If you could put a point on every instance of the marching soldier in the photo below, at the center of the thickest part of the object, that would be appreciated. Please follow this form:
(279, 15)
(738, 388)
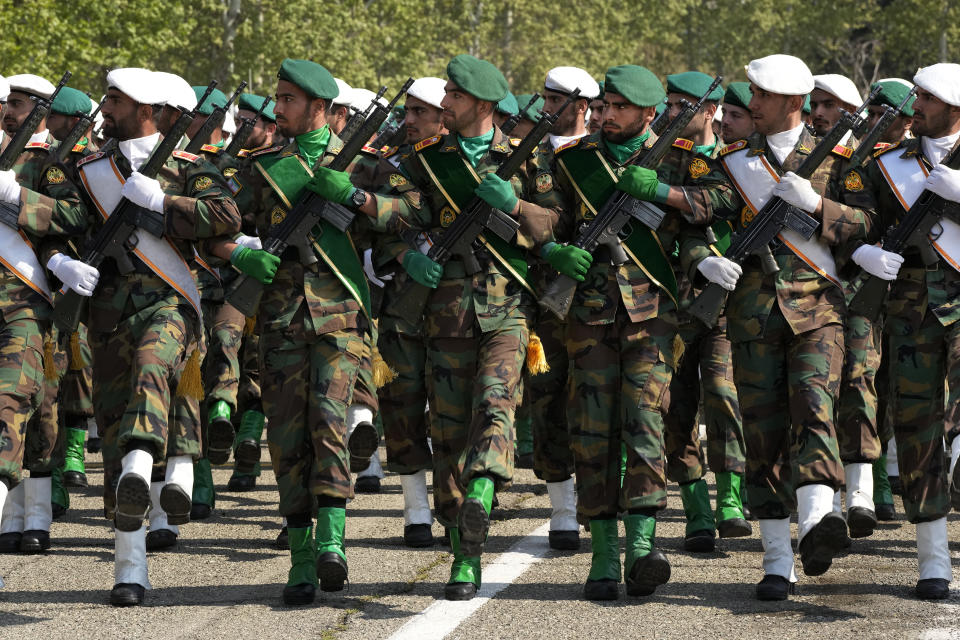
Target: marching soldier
(736, 123)
(831, 93)
(263, 133)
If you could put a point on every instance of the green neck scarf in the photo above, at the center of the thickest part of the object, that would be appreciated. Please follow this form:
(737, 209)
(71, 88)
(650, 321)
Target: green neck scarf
(707, 149)
(623, 151)
(474, 148)
(312, 144)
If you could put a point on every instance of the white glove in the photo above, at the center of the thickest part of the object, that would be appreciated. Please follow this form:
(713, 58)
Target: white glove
(9, 187)
(877, 262)
(798, 192)
(143, 192)
(721, 271)
(250, 242)
(945, 182)
(371, 273)
(75, 274)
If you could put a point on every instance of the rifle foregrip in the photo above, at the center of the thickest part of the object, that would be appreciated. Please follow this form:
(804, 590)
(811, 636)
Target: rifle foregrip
(244, 294)
(707, 306)
(558, 297)
(68, 310)
(870, 298)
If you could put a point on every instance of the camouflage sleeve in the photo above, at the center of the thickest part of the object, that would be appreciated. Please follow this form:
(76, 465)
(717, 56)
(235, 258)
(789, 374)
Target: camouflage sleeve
(49, 202)
(709, 193)
(848, 210)
(199, 204)
(541, 203)
(388, 248)
(693, 249)
(400, 205)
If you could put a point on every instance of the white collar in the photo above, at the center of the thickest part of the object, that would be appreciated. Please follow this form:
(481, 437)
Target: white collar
(781, 144)
(559, 141)
(39, 137)
(935, 149)
(137, 150)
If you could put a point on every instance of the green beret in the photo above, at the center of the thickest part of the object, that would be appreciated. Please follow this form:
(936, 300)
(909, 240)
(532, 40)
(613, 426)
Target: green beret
(693, 83)
(313, 78)
(636, 84)
(661, 107)
(70, 101)
(806, 103)
(892, 93)
(477, 77)
(215, 99)
(508, 105)
(533, 113)
(252, 102)
(600, 96)
(738, 94)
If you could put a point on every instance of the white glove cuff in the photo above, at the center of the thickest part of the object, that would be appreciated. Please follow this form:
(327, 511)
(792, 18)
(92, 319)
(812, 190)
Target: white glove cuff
(55, 261)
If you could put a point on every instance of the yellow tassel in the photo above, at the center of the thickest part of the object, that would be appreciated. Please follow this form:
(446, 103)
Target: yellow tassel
(536, 360)
(249, 325)
(191, 380)
(49, 367)
(76, 357)
(382, 373)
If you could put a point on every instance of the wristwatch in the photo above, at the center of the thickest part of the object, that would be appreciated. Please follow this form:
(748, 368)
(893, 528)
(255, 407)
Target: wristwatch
(359, 198)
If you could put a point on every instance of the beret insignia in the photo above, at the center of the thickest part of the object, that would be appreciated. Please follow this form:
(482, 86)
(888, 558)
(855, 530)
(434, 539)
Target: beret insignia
(55, 175)
(698, 168)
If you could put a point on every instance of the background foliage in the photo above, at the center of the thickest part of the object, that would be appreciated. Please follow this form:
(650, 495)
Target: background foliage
(372, 42)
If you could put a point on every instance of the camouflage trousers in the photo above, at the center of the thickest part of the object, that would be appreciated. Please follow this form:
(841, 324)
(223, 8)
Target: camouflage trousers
(403, 403)
(76, 386)
(21, 390)
(473, 385)
(248, 389)
(221, 375)
(788, 385)
(619, 379)
(857, 426)
(704, 379)
(45, 438)
(308, 381)
(545, 403)
(921, 358)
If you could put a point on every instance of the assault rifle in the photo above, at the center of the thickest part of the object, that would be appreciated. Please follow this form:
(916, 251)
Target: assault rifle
(357, 119)
(620, 209)
(477, 217)
(84, 122)
(244, 130)
(775, 216)
(511, 123)
(870, 140)
(213, 121)
(10, 211)
(113, 238)
(244, 292)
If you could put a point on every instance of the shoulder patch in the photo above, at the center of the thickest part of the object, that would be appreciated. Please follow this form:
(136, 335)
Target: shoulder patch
(842, 151)
(38, 145)
(423, 144)
(733, 146)
(397, 180)
(853, 182)
(80, 146)
(698, 167)
(202, 183)
(889, 147)
(90, 158)
(55, 175)
(262, 151)
(211, 148)
(544, 182)
(683, 143)
(566, 146)
(183, 155)
(229, 171)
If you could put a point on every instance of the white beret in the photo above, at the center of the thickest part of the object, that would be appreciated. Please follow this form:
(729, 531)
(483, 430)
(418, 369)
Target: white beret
(905, 83)
(568, 79)
(942, 80)
(4, 88)
(29, 83)
(138, 84)
(229, 123)
(429, 89)
(781, 74)
(175, 91)
(840, 87)
(361, 99)
(718, 116)
(97, 119)
(346, 93)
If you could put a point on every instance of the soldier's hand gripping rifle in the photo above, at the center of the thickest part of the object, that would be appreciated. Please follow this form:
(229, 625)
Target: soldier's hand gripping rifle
(309, 210)
(620, 209)
(10, 211)
(775, 216)
(113, 238)
(360, 117)
(477, 217)
(84, 122)
(511, 123)
(244, 130)
(213, 121)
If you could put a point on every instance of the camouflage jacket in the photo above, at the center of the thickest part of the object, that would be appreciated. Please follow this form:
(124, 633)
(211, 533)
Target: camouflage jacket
(329, 305)
(50, 205)
(807, 300)
(917, 289)
(463, 303)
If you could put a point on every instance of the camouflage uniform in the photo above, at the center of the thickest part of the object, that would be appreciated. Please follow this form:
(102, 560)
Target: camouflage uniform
(922, 338)
(476, 330)
(786, 330)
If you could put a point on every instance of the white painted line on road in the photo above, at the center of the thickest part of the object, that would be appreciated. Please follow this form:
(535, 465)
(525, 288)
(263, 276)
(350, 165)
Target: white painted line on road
(443, 616)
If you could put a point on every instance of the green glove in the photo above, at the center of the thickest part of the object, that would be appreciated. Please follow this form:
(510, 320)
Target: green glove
(422, 269)
(643, 184)
(497, 192)
(255, 263)
(331, 185)
(571, 261)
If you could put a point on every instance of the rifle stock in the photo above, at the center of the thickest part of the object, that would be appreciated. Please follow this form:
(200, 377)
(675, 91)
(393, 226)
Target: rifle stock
(243, 133)
(213, 122)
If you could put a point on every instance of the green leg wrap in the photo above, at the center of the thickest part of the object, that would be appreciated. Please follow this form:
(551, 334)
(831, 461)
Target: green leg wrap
(481, 489)
(696, 506)
(251, 426)
(59, 496)
(623, 463)
(240, 474)
(524, 426)
(640, 534)
(464, 569)
(605, 546)
(882, 493)
(219, 410)
(73, 450)
(331, 524)
(203, 491)
(729, 487)
(303, 568)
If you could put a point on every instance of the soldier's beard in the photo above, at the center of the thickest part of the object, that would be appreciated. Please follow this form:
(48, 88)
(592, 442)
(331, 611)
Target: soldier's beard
(619, 136)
